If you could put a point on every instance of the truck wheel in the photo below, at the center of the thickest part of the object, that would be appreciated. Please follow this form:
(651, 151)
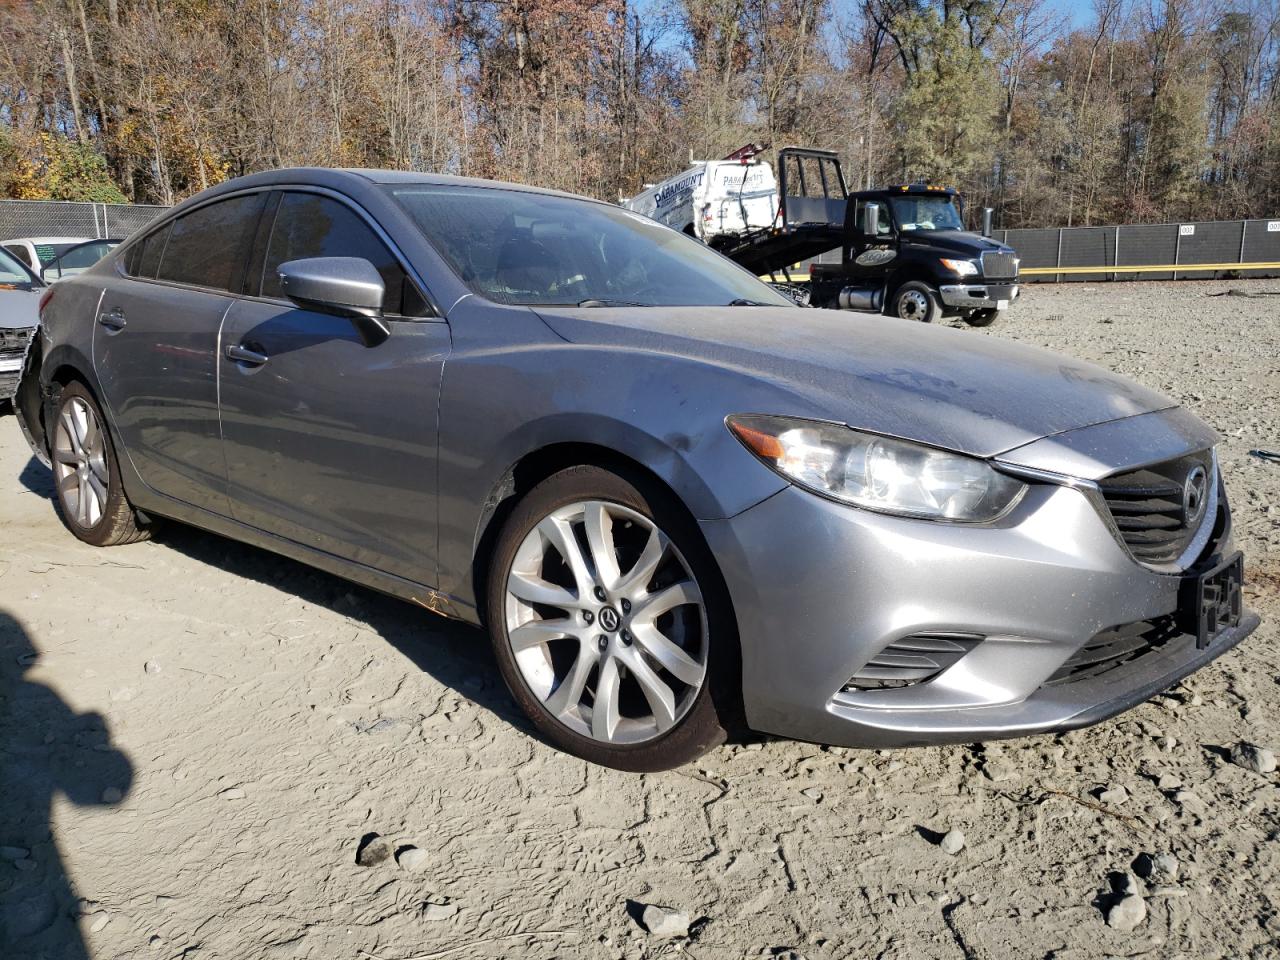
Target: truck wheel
(981, 318)
(916, 301)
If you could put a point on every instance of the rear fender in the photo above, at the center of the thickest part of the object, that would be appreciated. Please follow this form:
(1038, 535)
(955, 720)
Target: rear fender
(28, 401)
(44, 372)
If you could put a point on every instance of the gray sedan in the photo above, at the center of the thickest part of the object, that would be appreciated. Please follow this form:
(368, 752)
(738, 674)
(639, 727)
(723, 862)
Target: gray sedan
(680, 505)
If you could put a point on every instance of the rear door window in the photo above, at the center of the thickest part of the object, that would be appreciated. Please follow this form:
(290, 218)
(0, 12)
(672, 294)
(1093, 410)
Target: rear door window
(209, 246)
(312, 225)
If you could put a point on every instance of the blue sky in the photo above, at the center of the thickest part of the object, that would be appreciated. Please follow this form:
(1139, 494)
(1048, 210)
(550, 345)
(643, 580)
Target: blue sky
(1079, 13)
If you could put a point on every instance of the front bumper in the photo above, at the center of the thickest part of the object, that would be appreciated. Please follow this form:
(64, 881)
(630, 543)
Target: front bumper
(978, 296)
(821, 589)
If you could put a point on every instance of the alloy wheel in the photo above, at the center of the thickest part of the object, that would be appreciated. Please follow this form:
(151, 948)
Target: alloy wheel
(606, 622)
(80, 463)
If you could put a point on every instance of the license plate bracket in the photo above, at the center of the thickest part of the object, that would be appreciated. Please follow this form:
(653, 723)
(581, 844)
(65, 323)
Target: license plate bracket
(1212, 600)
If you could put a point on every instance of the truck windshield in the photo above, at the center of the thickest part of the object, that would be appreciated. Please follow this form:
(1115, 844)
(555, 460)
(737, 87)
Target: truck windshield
(926, 213)
(535, 249)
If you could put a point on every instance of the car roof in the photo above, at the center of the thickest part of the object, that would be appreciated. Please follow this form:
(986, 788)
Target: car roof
(47, 240)
(336, 177)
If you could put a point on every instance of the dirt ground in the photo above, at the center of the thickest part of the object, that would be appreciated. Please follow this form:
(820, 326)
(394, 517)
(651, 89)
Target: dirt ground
(195, 736)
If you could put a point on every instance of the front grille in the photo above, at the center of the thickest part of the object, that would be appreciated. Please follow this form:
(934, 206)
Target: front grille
(911, 660)
(999, 266)
(14, 342)
(1149, 510)
(1114, 648)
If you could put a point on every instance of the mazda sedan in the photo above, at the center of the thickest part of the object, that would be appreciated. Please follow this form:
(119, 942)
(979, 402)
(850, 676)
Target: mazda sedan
(679, 504)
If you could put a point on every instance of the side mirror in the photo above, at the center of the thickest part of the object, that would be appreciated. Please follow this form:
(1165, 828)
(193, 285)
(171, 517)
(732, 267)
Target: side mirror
(870, 219)
(51, 271)
(987, 214)
(341, 286)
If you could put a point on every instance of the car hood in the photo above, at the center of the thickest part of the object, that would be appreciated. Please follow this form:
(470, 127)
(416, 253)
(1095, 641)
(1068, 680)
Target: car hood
(953, 241)
(948, 387)
(19, 309)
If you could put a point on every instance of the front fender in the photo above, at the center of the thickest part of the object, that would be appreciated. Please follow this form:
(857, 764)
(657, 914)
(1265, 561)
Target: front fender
(663, 412)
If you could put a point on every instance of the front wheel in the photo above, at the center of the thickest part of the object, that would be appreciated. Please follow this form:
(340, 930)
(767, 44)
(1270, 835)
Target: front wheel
(610, 623)
(916, 301)
(981, 318)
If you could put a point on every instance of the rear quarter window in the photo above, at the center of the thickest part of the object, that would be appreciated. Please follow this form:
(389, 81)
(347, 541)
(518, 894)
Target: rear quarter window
(144, 256)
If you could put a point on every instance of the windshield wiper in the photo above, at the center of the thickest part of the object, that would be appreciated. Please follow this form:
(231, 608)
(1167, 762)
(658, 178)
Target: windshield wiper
(743, 302)
(596, 302)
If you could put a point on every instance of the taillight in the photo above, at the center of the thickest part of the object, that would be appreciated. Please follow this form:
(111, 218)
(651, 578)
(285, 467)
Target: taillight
(45, 298)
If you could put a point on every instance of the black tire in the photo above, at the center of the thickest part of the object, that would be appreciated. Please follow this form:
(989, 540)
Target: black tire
(716, 706)
(981, 318)
(117, 522)
(915, 300)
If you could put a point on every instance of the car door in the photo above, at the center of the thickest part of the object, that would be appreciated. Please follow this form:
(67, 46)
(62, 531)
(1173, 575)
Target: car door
(155, 346)
(328, 442)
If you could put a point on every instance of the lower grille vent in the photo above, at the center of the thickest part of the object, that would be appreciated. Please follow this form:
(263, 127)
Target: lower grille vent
(14, 342)
(911, 660)
(1115, 647)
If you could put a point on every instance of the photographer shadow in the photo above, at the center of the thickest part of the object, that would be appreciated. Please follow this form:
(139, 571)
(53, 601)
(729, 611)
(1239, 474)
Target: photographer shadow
(46, 749)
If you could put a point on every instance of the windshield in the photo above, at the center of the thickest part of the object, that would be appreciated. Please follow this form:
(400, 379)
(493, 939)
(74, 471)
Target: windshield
(13, 275)
(926, 213)
(533, 249)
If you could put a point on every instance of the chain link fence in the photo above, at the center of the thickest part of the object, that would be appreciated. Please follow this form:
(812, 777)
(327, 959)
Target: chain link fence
(59, 218)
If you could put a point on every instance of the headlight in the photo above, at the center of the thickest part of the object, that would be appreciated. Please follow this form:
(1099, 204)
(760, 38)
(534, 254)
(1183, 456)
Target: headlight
(965, 268)
(878, 473)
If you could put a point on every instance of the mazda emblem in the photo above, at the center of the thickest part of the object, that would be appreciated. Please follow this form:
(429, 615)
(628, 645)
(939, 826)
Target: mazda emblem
(1194, 495)
(609, 619)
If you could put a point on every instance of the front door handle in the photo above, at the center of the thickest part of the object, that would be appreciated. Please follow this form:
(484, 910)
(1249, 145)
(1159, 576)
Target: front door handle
(112, 319)
(245, 355)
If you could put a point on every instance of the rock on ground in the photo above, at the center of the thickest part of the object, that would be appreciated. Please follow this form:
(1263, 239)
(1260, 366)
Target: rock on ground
(1127, 913)
(413, 860)
(952, 843)
(660, 921)
(1252, 757)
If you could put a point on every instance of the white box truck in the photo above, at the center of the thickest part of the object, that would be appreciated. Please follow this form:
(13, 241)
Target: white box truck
(715, 199)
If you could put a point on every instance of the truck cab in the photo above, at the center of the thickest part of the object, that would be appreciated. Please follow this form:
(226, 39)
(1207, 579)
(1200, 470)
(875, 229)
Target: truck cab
(906, 253)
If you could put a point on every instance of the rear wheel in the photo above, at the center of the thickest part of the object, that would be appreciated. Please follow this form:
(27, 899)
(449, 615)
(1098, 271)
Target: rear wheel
(87, 485)
(916, 301)
(610, 623)
(981, 318)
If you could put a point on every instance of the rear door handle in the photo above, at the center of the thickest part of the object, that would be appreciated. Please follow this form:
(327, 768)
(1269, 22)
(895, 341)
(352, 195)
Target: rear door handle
(112, 319)
(245, 355)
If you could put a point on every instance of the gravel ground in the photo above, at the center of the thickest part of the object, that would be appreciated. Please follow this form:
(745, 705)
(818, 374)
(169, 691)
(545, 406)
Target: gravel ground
(207, 732)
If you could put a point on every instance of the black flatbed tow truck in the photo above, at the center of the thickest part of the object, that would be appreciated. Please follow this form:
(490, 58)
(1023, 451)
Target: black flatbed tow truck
(904, 249)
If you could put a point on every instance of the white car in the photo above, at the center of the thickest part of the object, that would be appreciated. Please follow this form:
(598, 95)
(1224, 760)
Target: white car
(20, 292)
(35, 252)
(76, 259)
